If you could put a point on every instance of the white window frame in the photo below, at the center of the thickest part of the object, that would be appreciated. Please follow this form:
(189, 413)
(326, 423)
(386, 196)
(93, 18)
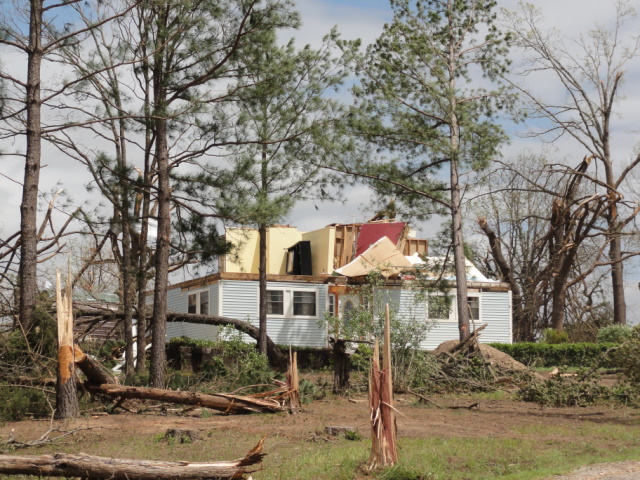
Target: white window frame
(287, 298)
(453, 314)
(198, 301)
(452, 309)
(331, 304)
(284, 303)
(479, 297)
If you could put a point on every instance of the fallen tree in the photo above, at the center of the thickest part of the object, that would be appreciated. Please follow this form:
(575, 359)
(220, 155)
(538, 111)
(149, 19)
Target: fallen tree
(89, 466)
(276, 358)
(219, 401)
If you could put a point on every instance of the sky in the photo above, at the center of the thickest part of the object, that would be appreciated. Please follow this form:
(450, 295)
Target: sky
(364, 19)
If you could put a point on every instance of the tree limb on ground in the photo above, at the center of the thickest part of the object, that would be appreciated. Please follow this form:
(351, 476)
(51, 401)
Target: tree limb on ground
(222, 402)
(89, 466)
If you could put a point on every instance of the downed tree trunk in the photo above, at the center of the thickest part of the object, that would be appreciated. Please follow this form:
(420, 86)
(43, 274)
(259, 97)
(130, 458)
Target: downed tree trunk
(219, 401)
(277, 359)
(94, 371)
(88, 466)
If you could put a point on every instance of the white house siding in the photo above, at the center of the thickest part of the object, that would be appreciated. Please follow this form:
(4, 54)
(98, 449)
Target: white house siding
(177, 302)
(495, 311)
(240, 300)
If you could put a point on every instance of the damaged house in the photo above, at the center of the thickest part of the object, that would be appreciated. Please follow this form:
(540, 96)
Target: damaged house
(313, 273)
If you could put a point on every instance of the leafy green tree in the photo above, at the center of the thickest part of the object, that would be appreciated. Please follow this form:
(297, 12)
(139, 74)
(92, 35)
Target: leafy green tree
(422, 97)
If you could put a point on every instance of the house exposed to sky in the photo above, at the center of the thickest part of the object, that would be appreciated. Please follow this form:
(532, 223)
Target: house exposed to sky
(313, 273)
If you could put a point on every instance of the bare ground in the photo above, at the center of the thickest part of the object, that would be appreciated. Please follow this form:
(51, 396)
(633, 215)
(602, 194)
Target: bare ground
(491, 418)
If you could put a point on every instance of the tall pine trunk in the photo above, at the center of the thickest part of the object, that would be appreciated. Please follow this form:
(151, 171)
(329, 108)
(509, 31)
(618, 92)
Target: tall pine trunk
(29, 204)
(159, 318)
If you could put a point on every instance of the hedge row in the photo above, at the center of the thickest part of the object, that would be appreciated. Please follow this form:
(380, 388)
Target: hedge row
(558, 355)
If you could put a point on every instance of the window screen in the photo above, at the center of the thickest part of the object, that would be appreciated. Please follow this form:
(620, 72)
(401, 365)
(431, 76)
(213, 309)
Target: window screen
(304, 303)
(275, 302)
(474, 308)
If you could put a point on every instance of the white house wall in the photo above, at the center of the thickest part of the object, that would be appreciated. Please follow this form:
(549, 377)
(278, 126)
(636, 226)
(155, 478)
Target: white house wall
(177, 302)
(240, 300)
(495, 311)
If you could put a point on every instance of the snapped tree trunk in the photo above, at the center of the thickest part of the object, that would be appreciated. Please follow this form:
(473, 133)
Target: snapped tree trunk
(66, 390)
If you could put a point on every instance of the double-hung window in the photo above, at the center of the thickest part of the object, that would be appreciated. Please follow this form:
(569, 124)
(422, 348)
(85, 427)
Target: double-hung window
(474, 308)
(275, 302)
(198, 302)
(304, 304)
(292, 303)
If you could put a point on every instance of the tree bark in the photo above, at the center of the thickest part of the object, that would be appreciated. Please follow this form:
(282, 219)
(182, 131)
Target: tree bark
(159, 319)
(340, 367)
(458, 255)
(222, 402)
(262, 288)
(89, 466)
(94, 371)
(506, 272)
(66, 390)
(29, 204)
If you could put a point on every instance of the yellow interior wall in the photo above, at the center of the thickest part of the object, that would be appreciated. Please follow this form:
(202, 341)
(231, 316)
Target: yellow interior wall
(279, 239)
(245, 257)
(322, 249)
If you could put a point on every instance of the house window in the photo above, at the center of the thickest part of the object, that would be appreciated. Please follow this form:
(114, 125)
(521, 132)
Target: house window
(332, 305)
(287, 303)
(439, 307)
(275, 302)
(348, 312)
(474, 308)
(198, 302)
(304, 304)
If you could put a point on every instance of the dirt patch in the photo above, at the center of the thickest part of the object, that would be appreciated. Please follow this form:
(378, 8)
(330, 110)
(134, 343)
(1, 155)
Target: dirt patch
(493, 356)
(629, 470)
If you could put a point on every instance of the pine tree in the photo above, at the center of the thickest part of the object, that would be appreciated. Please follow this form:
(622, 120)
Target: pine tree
(417, 100)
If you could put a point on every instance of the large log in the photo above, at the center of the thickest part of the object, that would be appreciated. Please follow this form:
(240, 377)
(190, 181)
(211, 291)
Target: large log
(220, 401)
(88, 466)
(94, 371)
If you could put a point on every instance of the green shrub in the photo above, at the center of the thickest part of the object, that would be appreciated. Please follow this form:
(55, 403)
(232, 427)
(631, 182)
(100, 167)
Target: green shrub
(566, 392)
(564, 354)
(627, 356)
(17, 403)
(554, 337)
(614, 334)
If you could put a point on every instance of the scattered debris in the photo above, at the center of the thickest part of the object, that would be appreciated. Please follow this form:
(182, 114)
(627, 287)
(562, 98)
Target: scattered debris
(182, 436)
(340, 431)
